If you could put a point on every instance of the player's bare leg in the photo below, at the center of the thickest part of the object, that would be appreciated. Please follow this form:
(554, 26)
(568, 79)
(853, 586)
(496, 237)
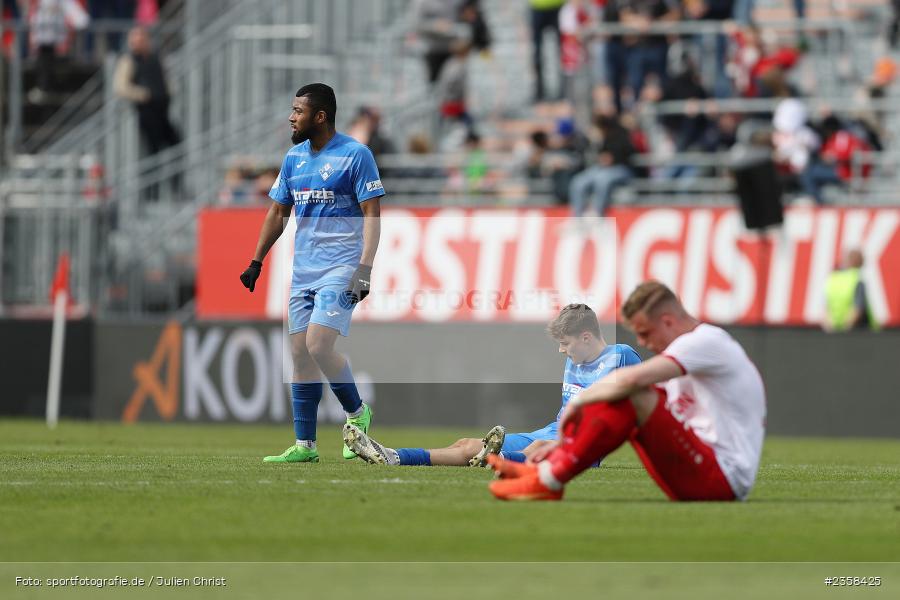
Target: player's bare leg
(320, 342)
(456, 454)
(305, 368)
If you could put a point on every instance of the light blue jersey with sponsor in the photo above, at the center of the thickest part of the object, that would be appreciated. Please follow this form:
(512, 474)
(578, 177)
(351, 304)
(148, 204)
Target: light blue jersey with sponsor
(575, 379)
(326, 189)
(578, 377)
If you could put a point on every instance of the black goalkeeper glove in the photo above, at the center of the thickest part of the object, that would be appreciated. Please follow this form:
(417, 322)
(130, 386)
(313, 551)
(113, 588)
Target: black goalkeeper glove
(249, 277)
(359, 285)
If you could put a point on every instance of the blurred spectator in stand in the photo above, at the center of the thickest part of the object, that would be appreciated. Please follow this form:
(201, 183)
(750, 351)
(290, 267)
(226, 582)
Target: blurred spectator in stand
(110, 10)
(9, 12)
(894, 26)
(450, 90)
(50, 22)
(868, 123)
(146, 12)
(470, 13)
(139, 78)
(236, 188)
(796, 150)
(717, 11)
(758, 182)
(592, 189)
(420, 165)
(743, 10)
(557, 157)
(366, 129)
(609, 80)
(472, 175)
(262, 185)
(438, 29)
(569, 148)
(544, 15)
(646, 54)
(683, 83)
(575, 20)
(842, 150)
(536, 161)
(475, 168)
(379, 143)
(846, 305)
(758, 68)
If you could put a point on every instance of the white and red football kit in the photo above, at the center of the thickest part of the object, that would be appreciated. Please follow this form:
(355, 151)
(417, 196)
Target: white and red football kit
(709, 422)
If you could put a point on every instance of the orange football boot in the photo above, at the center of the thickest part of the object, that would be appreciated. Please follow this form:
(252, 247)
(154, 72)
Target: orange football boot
(528, 487)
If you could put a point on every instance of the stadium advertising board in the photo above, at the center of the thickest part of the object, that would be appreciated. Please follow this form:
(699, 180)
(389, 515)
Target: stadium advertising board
(210, 372)
(520, 265)
(232, 372)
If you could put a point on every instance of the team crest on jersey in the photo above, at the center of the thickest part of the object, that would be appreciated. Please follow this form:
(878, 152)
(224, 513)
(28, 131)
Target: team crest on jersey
(326, 171)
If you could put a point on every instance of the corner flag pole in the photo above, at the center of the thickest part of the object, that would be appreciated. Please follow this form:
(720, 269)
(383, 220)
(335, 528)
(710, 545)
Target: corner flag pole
(60, 294)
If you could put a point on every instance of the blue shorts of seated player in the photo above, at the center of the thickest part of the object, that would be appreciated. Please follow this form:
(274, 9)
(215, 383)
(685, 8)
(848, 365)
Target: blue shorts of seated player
(514, 444)
(326, 305)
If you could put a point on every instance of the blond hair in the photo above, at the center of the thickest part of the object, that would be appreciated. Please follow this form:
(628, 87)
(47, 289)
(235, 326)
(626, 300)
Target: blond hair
(648, 297)
(574, 320)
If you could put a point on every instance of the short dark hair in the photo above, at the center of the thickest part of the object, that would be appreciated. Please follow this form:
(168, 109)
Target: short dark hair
(648, 298)
(320, 97)
(574, 320)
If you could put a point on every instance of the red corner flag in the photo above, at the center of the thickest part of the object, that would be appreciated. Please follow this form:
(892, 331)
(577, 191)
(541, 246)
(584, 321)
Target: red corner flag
(61, 277)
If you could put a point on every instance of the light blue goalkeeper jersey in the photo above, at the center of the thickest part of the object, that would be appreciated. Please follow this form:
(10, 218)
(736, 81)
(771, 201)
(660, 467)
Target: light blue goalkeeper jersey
(578, 377)
(326, 189)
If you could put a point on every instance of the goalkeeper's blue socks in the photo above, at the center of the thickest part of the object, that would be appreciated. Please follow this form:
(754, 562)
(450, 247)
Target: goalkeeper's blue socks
(514, 456)
(414, 456)
(305, 402)
(345, 391)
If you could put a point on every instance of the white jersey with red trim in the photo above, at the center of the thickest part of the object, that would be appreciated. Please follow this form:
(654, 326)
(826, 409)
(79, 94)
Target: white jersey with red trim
(722, 399)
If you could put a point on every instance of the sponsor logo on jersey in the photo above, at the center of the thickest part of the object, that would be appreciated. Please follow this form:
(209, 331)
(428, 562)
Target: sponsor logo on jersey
(571, 389)
(326, 171)
(371, 186)
(307, 196)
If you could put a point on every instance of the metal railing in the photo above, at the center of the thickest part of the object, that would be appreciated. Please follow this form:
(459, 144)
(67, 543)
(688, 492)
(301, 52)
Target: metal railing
(234, 78)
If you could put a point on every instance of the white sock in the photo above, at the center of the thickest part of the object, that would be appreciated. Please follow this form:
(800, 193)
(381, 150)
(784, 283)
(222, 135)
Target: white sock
(311, 444)
(357, 412)
(545, 474)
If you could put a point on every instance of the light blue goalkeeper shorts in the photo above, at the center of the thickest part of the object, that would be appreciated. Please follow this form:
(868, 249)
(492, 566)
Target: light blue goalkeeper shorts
(325, 305)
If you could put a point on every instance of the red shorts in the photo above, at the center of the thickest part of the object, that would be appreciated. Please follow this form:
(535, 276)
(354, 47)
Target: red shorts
(677, 460)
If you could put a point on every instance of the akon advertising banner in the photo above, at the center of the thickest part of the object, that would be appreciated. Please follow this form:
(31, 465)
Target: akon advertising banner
(238, 372)
(521, 265)
(234, 372)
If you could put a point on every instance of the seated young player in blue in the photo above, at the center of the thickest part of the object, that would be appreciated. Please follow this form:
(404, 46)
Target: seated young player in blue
(589, 358)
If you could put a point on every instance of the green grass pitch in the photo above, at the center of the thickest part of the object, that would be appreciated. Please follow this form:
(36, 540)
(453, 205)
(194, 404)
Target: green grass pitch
(108, 493)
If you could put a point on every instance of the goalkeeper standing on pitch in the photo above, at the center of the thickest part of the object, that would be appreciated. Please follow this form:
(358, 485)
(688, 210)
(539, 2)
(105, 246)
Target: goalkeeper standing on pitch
(331, 183)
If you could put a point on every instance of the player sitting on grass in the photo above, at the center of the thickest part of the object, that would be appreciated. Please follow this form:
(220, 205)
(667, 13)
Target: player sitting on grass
(699, 434)
(589, 358)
